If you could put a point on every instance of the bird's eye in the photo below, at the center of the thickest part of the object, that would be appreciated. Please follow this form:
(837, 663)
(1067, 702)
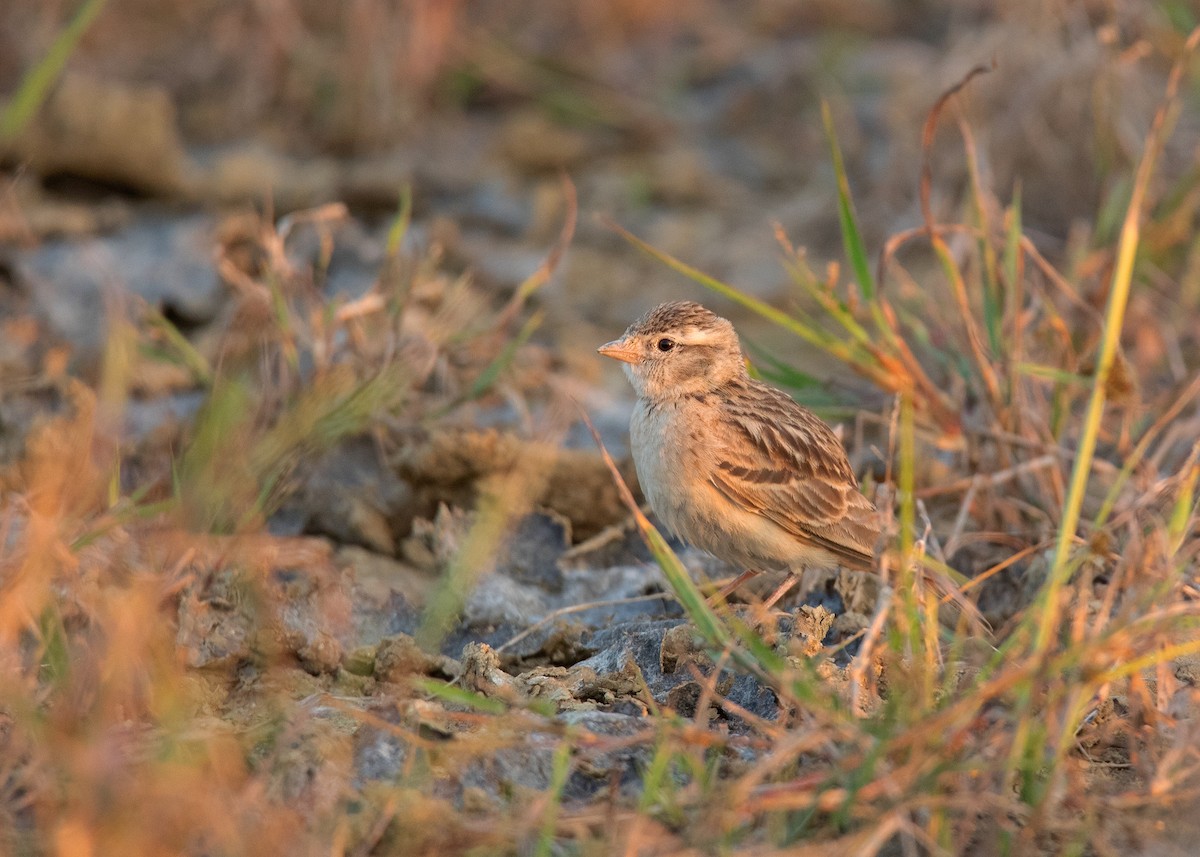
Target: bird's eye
(666, 344)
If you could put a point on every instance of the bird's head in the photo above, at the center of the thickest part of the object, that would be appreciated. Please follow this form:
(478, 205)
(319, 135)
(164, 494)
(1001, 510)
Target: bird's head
(678, 349)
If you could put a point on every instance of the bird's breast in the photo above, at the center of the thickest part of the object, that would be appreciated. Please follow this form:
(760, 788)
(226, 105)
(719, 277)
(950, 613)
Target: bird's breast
(657, 435)
(674, 455)
(676, 448)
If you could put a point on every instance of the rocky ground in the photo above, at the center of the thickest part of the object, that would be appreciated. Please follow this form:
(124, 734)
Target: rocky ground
(293, 343)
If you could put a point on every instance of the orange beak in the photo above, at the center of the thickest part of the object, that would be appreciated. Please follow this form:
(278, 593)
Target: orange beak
(617, 350)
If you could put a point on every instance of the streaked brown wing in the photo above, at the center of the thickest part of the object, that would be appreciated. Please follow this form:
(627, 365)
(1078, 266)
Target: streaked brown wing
(782, 462)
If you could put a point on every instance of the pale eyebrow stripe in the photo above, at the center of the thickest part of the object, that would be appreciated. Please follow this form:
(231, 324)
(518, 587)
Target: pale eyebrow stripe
(697, 337)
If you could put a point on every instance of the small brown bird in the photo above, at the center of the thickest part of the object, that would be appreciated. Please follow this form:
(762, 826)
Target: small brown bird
(730, 464)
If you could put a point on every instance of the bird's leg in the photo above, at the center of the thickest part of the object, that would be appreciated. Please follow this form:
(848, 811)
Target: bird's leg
(788, 582)
(729, 588)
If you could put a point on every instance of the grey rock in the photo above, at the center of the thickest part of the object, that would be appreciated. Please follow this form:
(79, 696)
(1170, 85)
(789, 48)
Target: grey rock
(387, 595)
(351, 496)
(532, 551)
(142, 416)
(166, 262)
(594, 769)
(509, 769)
(380, 754)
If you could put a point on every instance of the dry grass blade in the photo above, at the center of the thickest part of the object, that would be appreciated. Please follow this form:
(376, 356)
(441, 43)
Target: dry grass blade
(983, 364)
(927, 134)
(1114, 321)
(217, 540)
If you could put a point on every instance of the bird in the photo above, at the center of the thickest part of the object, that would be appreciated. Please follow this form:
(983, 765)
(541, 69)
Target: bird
(732, 465)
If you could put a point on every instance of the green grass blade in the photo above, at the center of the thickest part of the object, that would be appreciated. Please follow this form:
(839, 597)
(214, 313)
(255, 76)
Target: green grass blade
(37, 82)
(560, 768)
(460, 696)
(837, 309)
(993, 298)
(1012, 348)
(654, 777)
(185, 352)
(856, 251)
(401, 222)
(1184, 511)
(55, 650)
(504, 359)
(714, 632)
(1011, 264)
(1114, 319)
(1052, 373)
(777, 370)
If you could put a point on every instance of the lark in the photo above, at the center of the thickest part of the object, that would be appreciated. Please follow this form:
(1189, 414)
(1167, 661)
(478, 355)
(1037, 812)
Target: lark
(732, 465)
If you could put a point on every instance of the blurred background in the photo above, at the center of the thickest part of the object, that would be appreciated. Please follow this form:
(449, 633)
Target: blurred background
(696, 124)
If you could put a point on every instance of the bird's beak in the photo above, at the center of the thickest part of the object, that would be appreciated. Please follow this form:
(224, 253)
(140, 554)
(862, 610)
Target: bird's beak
(618, 350)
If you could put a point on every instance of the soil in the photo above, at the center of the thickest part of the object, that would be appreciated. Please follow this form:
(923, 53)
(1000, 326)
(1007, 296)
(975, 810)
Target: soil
(146, 190)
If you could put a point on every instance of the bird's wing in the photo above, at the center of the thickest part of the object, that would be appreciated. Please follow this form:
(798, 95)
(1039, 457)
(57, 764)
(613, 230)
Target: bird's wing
(781, 461)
